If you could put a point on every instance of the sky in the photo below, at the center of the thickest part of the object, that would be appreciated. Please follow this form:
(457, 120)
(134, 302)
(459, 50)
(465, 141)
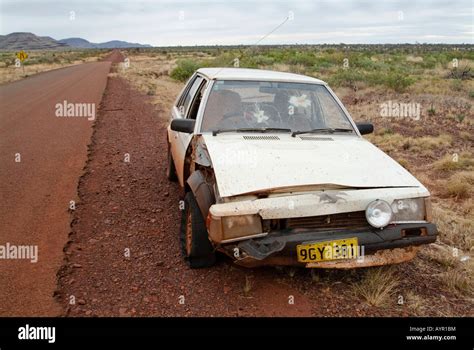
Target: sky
(229, 22)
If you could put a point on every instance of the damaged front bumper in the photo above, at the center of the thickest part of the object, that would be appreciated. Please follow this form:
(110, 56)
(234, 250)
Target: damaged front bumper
(394, 244)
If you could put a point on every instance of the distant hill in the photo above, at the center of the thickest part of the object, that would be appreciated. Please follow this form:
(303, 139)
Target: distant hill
(78, 43)
(30, 41)
(114, 44)
(117, 44)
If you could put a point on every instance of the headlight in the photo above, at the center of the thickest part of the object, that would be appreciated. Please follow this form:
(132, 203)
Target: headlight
(412, 209)
(230, 227)
(378, 213)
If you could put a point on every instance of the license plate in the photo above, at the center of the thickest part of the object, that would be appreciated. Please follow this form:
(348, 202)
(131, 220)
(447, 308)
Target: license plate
(329, 250)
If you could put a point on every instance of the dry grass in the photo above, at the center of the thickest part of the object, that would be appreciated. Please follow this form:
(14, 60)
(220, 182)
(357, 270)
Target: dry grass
(395, 142)
(40, 61)
(452, 162)
(378, 286)
(460, 280)
(415, 303)
(456, 188)
(403, 162)
(457, 268)
(460, 185)
(10, 74)
(149, 74)
(444, 255)
(455, 229)
(291, 271)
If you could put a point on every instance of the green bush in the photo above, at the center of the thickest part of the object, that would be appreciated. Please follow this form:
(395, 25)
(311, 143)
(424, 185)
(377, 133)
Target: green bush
(397, 82)
(346, 77)
(304, 58)
(456, 84)
(184, 70)
(262, 60)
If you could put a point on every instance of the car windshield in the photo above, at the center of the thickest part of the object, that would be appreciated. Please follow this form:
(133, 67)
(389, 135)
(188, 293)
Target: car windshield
(276, 106)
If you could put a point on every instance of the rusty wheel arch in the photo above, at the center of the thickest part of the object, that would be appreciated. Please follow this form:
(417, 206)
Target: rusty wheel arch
(199, 175)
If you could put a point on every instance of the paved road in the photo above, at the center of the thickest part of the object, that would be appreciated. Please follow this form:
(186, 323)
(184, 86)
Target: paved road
(35, 192)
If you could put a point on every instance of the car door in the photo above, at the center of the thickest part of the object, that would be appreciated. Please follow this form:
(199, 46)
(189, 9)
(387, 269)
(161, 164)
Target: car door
(185, 107)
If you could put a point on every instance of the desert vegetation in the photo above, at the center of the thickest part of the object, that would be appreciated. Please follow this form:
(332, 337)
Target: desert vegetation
(43, 60)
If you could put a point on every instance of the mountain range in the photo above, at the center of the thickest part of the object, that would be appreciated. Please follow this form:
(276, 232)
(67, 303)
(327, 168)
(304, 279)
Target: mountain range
(30, 41)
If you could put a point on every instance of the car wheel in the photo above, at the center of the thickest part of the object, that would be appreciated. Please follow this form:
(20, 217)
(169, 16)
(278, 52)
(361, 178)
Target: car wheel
(195, 244)
(171, 170)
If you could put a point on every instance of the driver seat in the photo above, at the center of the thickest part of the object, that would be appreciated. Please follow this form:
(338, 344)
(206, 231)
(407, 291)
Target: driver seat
(219, 104)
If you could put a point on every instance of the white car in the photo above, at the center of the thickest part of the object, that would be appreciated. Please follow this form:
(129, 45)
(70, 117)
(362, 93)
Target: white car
(276, 172)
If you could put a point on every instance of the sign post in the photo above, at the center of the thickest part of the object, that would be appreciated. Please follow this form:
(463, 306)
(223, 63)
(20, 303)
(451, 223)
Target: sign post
(21, 56)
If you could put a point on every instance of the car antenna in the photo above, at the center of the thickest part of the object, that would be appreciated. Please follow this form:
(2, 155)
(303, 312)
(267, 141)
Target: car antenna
(290, 17)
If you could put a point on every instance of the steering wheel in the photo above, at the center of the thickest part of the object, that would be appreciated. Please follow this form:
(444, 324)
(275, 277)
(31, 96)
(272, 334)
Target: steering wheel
(232, 114)
(234, 117)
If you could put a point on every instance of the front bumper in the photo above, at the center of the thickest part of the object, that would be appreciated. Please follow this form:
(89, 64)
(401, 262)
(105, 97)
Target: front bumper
(393, 244)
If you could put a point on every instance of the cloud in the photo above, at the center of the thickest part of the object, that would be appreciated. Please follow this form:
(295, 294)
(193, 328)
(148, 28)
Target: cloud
(222, 22)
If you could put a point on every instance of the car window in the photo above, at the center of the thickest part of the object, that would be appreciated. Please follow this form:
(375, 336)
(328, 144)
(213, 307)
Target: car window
(331, 111)
(194, 108)
(184, 105)
(256, 104)
(184, 93)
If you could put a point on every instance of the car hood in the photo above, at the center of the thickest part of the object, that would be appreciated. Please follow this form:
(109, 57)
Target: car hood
(251, 163)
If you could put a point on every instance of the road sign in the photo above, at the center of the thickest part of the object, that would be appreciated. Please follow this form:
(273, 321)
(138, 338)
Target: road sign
(22, 55)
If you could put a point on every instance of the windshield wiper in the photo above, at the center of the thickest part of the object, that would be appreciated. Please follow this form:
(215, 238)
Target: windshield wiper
(262, 130)
(314, 131)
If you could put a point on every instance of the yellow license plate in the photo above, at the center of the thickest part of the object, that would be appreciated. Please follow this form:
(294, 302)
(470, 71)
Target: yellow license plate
(329, 250)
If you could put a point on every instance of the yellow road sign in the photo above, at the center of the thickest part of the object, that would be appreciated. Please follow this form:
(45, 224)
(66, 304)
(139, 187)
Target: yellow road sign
(22, 55)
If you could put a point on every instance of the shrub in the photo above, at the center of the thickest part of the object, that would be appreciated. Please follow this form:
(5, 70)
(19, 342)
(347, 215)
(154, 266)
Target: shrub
(347, 78)
(377, 286)
(459, 185)
(456, 85)
(397, 82)
(449, 162)
(184, 70)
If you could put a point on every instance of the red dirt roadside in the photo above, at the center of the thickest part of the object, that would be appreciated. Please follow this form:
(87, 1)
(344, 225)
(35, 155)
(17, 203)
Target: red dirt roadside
(35, 193)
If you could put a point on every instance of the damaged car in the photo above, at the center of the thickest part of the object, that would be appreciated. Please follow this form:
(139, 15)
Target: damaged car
(275, 172)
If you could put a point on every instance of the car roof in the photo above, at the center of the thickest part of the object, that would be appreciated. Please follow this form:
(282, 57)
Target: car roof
(255, 74)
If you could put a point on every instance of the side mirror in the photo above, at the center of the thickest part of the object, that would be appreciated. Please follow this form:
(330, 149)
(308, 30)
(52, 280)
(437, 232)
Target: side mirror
(183, 125)
(365, 128)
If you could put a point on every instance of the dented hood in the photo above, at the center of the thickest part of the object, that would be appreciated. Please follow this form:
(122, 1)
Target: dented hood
(249, 163)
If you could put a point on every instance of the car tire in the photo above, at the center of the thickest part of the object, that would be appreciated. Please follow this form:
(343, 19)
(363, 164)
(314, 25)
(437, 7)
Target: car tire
(195, 245)
(171, 170)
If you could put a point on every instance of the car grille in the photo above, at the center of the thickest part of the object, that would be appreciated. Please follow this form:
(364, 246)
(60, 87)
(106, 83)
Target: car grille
(264, 137)
(335, 221)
